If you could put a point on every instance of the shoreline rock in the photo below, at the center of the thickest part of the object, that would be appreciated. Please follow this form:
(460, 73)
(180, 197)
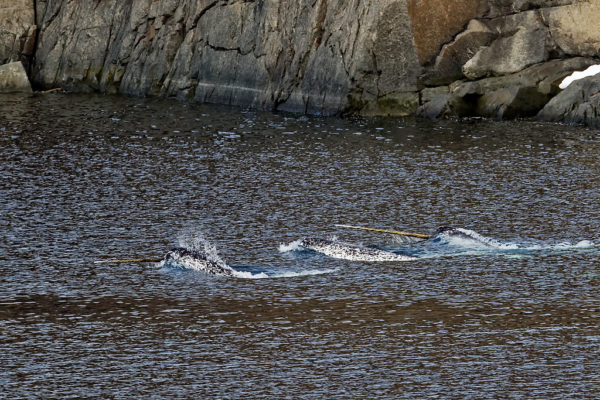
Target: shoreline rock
(492, 58)
(522, 94)
(13, 78)
(18, 31)
(578, 104)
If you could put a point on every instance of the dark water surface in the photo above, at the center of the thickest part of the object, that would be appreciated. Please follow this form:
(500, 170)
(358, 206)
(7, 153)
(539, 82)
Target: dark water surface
(86, 178)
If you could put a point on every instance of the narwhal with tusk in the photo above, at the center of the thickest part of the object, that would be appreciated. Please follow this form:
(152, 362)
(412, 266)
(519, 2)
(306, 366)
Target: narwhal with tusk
(195, 259)
(198, 260)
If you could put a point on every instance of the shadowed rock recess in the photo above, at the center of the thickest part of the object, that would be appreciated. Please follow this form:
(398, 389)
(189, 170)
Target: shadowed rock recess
(433, 58)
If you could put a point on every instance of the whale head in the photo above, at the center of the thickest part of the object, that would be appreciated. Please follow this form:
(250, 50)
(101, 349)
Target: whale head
(198, 260)
(312, 242)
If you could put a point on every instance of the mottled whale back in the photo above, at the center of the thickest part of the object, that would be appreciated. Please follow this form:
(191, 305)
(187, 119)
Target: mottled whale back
(349, 252)
(198, 260)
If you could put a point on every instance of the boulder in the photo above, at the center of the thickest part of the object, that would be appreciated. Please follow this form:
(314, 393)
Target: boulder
(434, 102)
(448, 64)
(13, 78)
(511, 102)
(574, 28)
(521, 94)
(521, 43)
(393, 105)
(579, 103)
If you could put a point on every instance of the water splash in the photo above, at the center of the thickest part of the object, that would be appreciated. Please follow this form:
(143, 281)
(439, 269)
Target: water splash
(282, 274)
(293, 246)
(195, 241)
(462, 241)
(466, 238)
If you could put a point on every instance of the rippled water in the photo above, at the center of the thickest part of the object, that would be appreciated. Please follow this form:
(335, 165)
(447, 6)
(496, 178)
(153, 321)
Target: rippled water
(86, 178)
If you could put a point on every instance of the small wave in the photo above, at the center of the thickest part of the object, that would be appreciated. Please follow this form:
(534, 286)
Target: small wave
(477, 239)
(583, 244)
(283, 274)
(293, 246)
(466, 238)
(452, 241)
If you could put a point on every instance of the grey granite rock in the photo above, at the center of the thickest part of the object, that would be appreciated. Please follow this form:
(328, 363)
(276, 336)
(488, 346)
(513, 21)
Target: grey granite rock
(310, 56)
(517, 95)
(579, 103)
(17, 31)
(449, 62)
(506, 7)
(575, 28)
(13, 78)
(521, 43)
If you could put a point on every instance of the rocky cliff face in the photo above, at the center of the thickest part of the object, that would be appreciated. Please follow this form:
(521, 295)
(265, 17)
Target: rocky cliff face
(493, 58)
(17, 31)
(301, 55)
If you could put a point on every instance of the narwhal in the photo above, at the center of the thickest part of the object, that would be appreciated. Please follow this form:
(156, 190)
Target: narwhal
(195, 259)
(198, 260)
(349, 252)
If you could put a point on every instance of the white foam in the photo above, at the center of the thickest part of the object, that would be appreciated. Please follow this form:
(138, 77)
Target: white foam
(293, 246)
(583, 244)
(590, 71)
(283, 274)
(249, 275)
(476, 241)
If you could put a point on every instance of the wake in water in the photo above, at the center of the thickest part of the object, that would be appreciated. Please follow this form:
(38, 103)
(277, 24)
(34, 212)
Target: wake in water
(459, 241)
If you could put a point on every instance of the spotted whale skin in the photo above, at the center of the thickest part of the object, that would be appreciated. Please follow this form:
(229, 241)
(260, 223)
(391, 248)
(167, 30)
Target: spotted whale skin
(349, 252)
(198, 260)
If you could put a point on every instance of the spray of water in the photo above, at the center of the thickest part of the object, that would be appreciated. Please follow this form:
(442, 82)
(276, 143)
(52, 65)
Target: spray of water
(195, 241)
(293, 246)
